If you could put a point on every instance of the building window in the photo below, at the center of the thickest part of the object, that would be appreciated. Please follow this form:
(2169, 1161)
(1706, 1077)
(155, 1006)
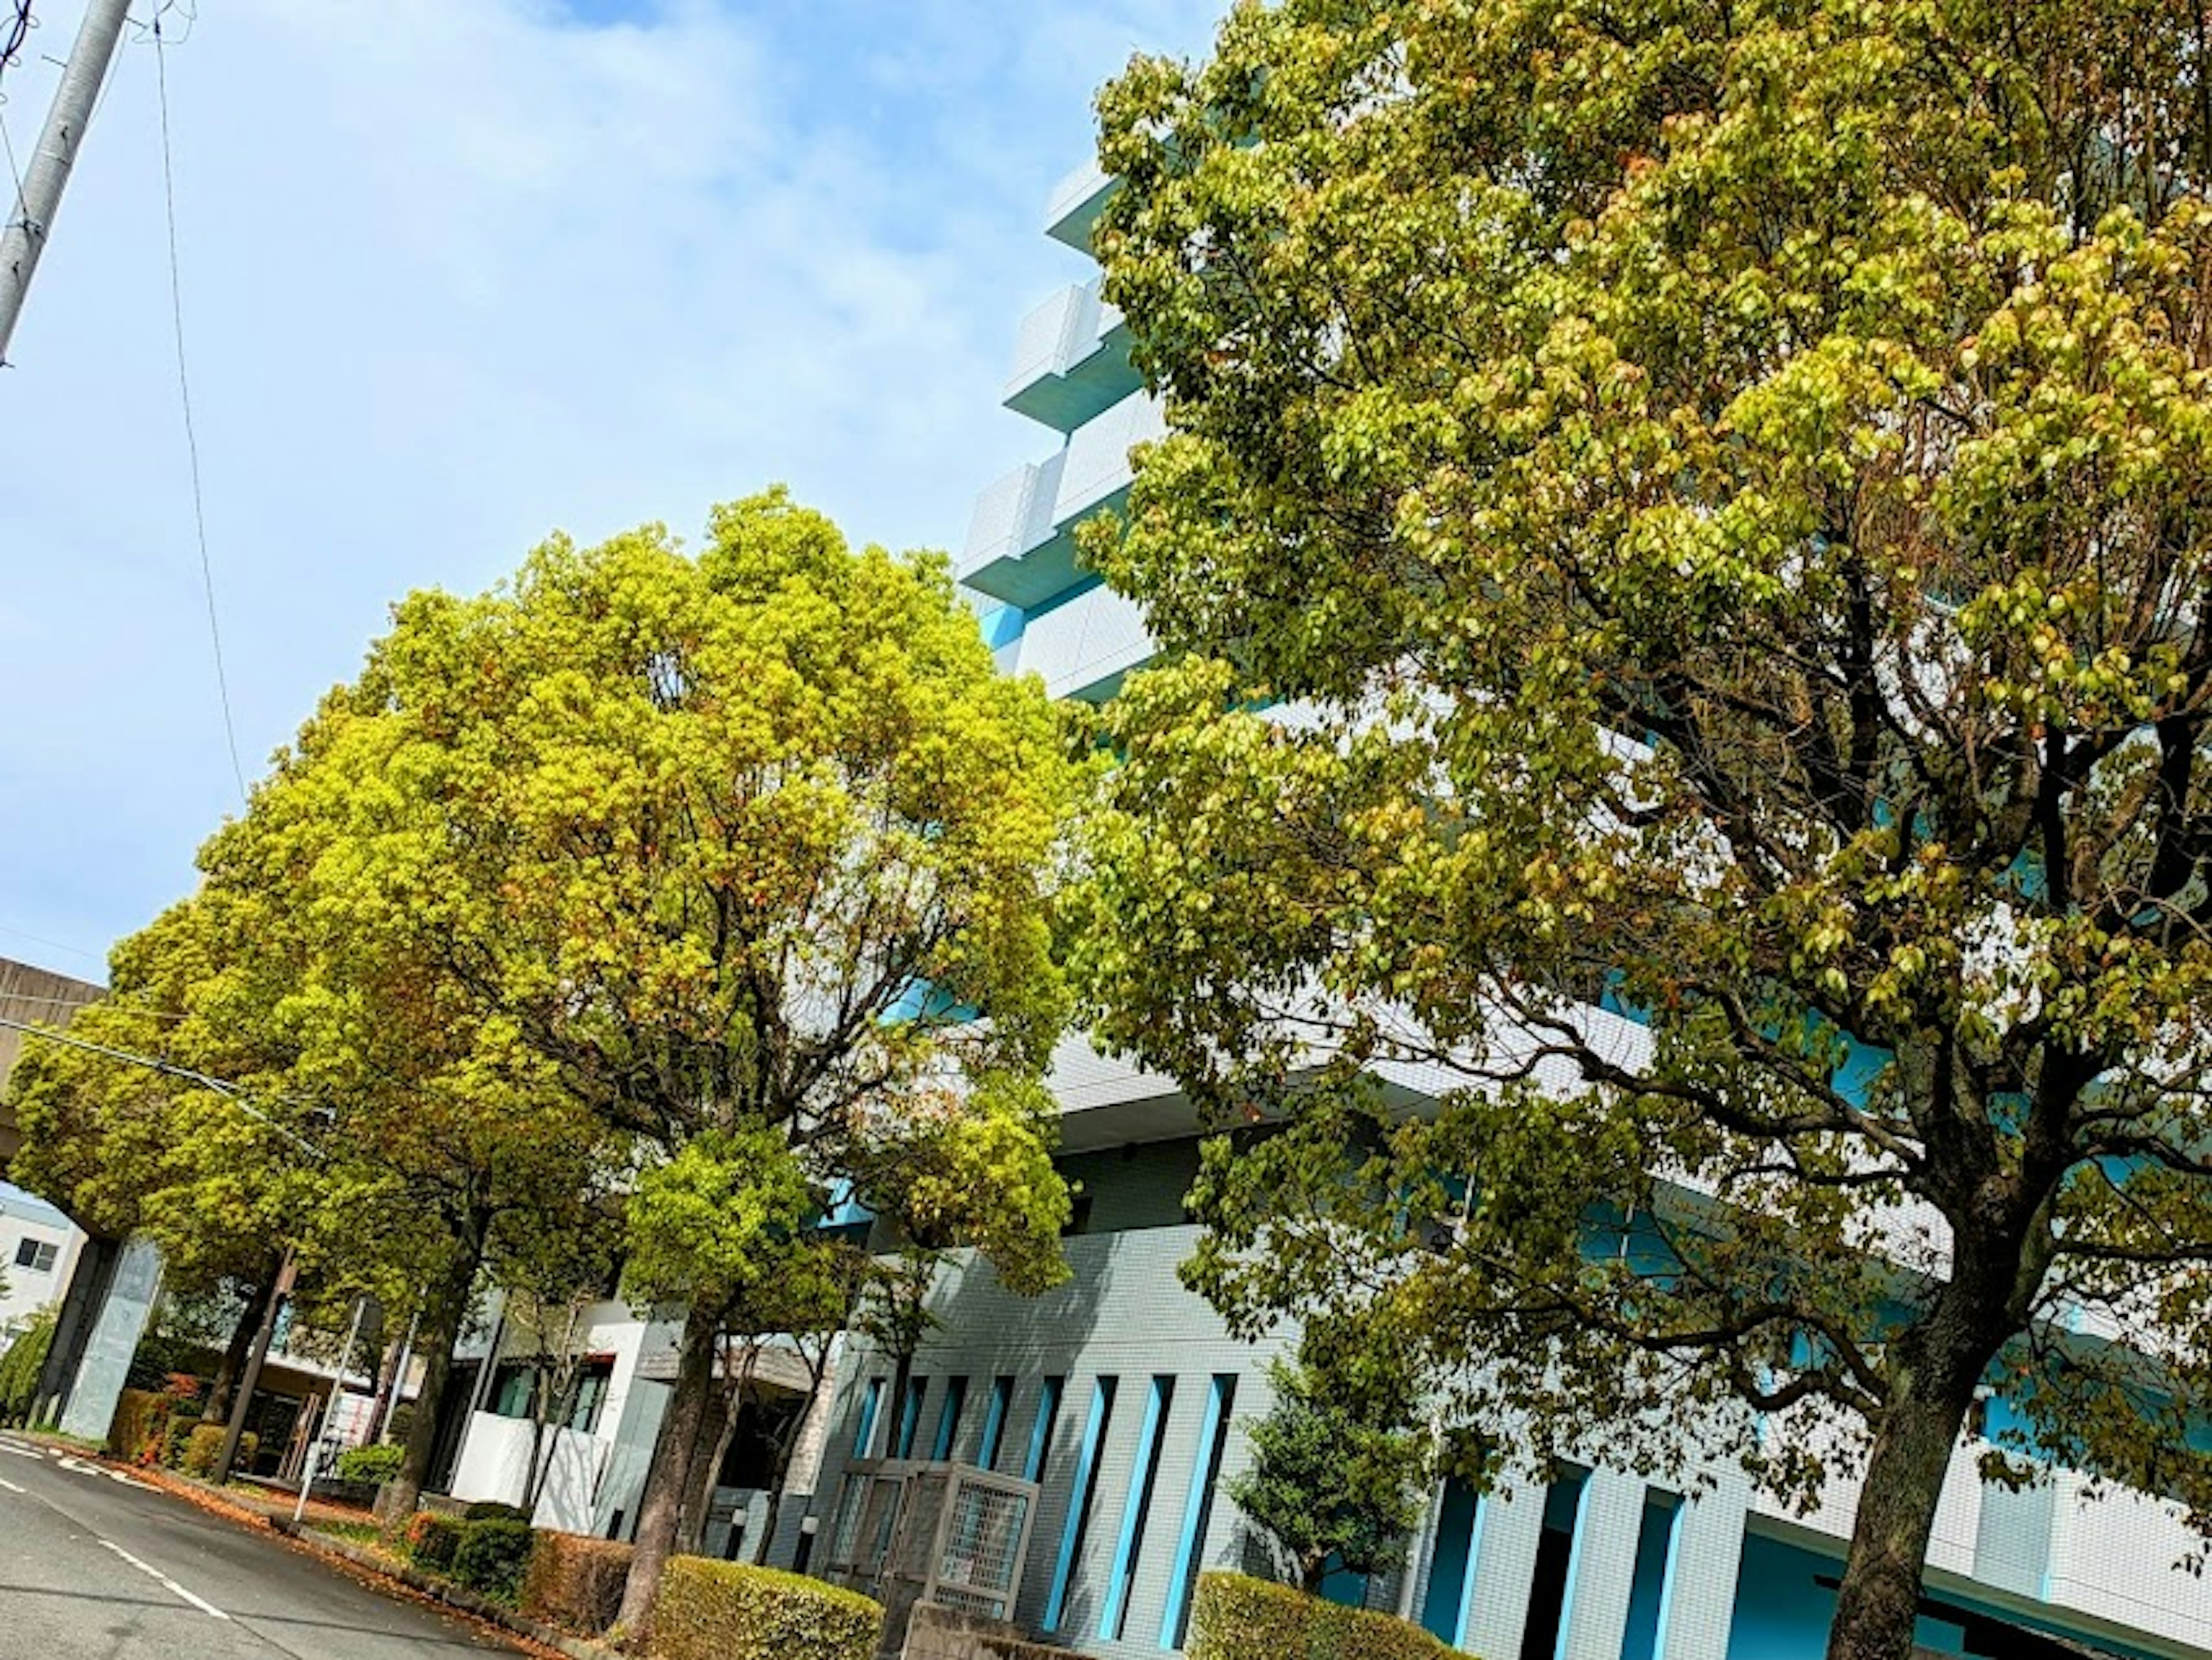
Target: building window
(1198, 1507)
(948, 1420)
(917, 1390)
(1137, 1508)
(516, 1384)
(870, 1403)
(1555, 1560)
(37, 1255)
(1041, 1433)
(1081, 1498)
(994, 1422)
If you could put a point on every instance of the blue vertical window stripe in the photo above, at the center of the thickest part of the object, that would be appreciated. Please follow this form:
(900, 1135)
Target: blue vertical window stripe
(1198, 1507)
(1136, 1508)
(1079, 1497)
(948, 1421)
(869, 1405)
(910, 1417)
(994, 1422)
(1450, 1559)
(1040, 1434)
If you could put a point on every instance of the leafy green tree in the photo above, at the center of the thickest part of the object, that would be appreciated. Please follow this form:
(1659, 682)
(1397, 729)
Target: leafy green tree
(751, 854)
(223, 1190)
(1720, 495)
(20, 1362)
(1331, 1485)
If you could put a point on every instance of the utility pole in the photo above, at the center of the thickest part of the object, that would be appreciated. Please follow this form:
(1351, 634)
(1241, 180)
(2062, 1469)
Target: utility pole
(25, 236)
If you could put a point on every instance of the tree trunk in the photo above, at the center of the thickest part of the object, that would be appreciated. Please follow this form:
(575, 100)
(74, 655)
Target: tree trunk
(1879, 1604)
(670, 1479)
(718, 1427)
(440, 1329)
(217, 1409)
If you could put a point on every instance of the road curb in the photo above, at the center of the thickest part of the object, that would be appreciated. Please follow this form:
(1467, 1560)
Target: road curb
(450, 1594)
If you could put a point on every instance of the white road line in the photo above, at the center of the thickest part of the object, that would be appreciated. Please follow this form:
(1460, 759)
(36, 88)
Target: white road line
(10, 1486)
(19, 1452)
(163, 1580)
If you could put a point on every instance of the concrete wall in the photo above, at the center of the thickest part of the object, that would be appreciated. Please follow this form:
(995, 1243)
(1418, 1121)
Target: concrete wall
(941, 1634)
(39, 997)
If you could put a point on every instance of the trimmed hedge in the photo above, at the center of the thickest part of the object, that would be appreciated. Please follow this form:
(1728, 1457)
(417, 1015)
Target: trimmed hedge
(140, 1429)
(576, 1581)
(709, 1610)
(494, 1555)
(492, 1510)
(178, 1436)
(371, 1465)
(204, 1444)
(433, 1541)
(1235, 1617)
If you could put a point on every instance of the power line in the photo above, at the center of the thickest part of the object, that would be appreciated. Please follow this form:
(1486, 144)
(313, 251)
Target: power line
(52, 945)
(185, 400)
(236, 1094)
(12, 32)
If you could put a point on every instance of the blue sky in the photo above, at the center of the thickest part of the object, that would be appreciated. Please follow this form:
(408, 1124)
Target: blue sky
(456, 273)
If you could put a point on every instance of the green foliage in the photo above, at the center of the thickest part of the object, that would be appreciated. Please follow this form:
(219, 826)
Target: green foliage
(177, 1438)
(711, 1610)
(204, 1443)
(1237, 1617)
(1327, 1480)
(433, 1541)
(374, 1464)
(492, 1510)
(1705, 509)
(20, 1365)
(575, 1583)
(493, 1556)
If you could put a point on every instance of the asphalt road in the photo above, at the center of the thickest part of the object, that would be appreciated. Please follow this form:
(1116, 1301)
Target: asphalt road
(93, 1567)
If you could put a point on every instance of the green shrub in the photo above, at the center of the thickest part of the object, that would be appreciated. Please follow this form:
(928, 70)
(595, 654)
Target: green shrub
(726, 1611)
(20, 1366)
(140, 1428)
(177, 1436)
(1238, 1618)
(495, 1554)
(433, 1541)
(205, 1442)
(576, 1581)
(490, 1509)
(375, 1465)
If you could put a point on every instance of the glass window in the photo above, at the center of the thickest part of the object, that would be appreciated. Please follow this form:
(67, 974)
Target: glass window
(37, 1255)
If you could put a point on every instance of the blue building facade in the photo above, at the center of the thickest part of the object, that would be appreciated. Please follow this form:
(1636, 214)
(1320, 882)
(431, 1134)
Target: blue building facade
(1123, 1395)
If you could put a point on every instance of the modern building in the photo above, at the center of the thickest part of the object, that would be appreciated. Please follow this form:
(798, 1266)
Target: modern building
(1123, 1396)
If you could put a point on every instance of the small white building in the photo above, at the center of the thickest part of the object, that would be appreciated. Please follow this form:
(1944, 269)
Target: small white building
(38, 1247)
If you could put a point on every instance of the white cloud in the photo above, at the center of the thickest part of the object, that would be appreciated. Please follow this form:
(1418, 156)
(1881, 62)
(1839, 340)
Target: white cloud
(458, 271)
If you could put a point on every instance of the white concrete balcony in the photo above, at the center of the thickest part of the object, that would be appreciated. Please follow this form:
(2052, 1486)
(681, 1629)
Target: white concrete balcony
(1013, 516)
(1084, 647)
(1021, 541)
(1070, 360)
(1076, 203)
